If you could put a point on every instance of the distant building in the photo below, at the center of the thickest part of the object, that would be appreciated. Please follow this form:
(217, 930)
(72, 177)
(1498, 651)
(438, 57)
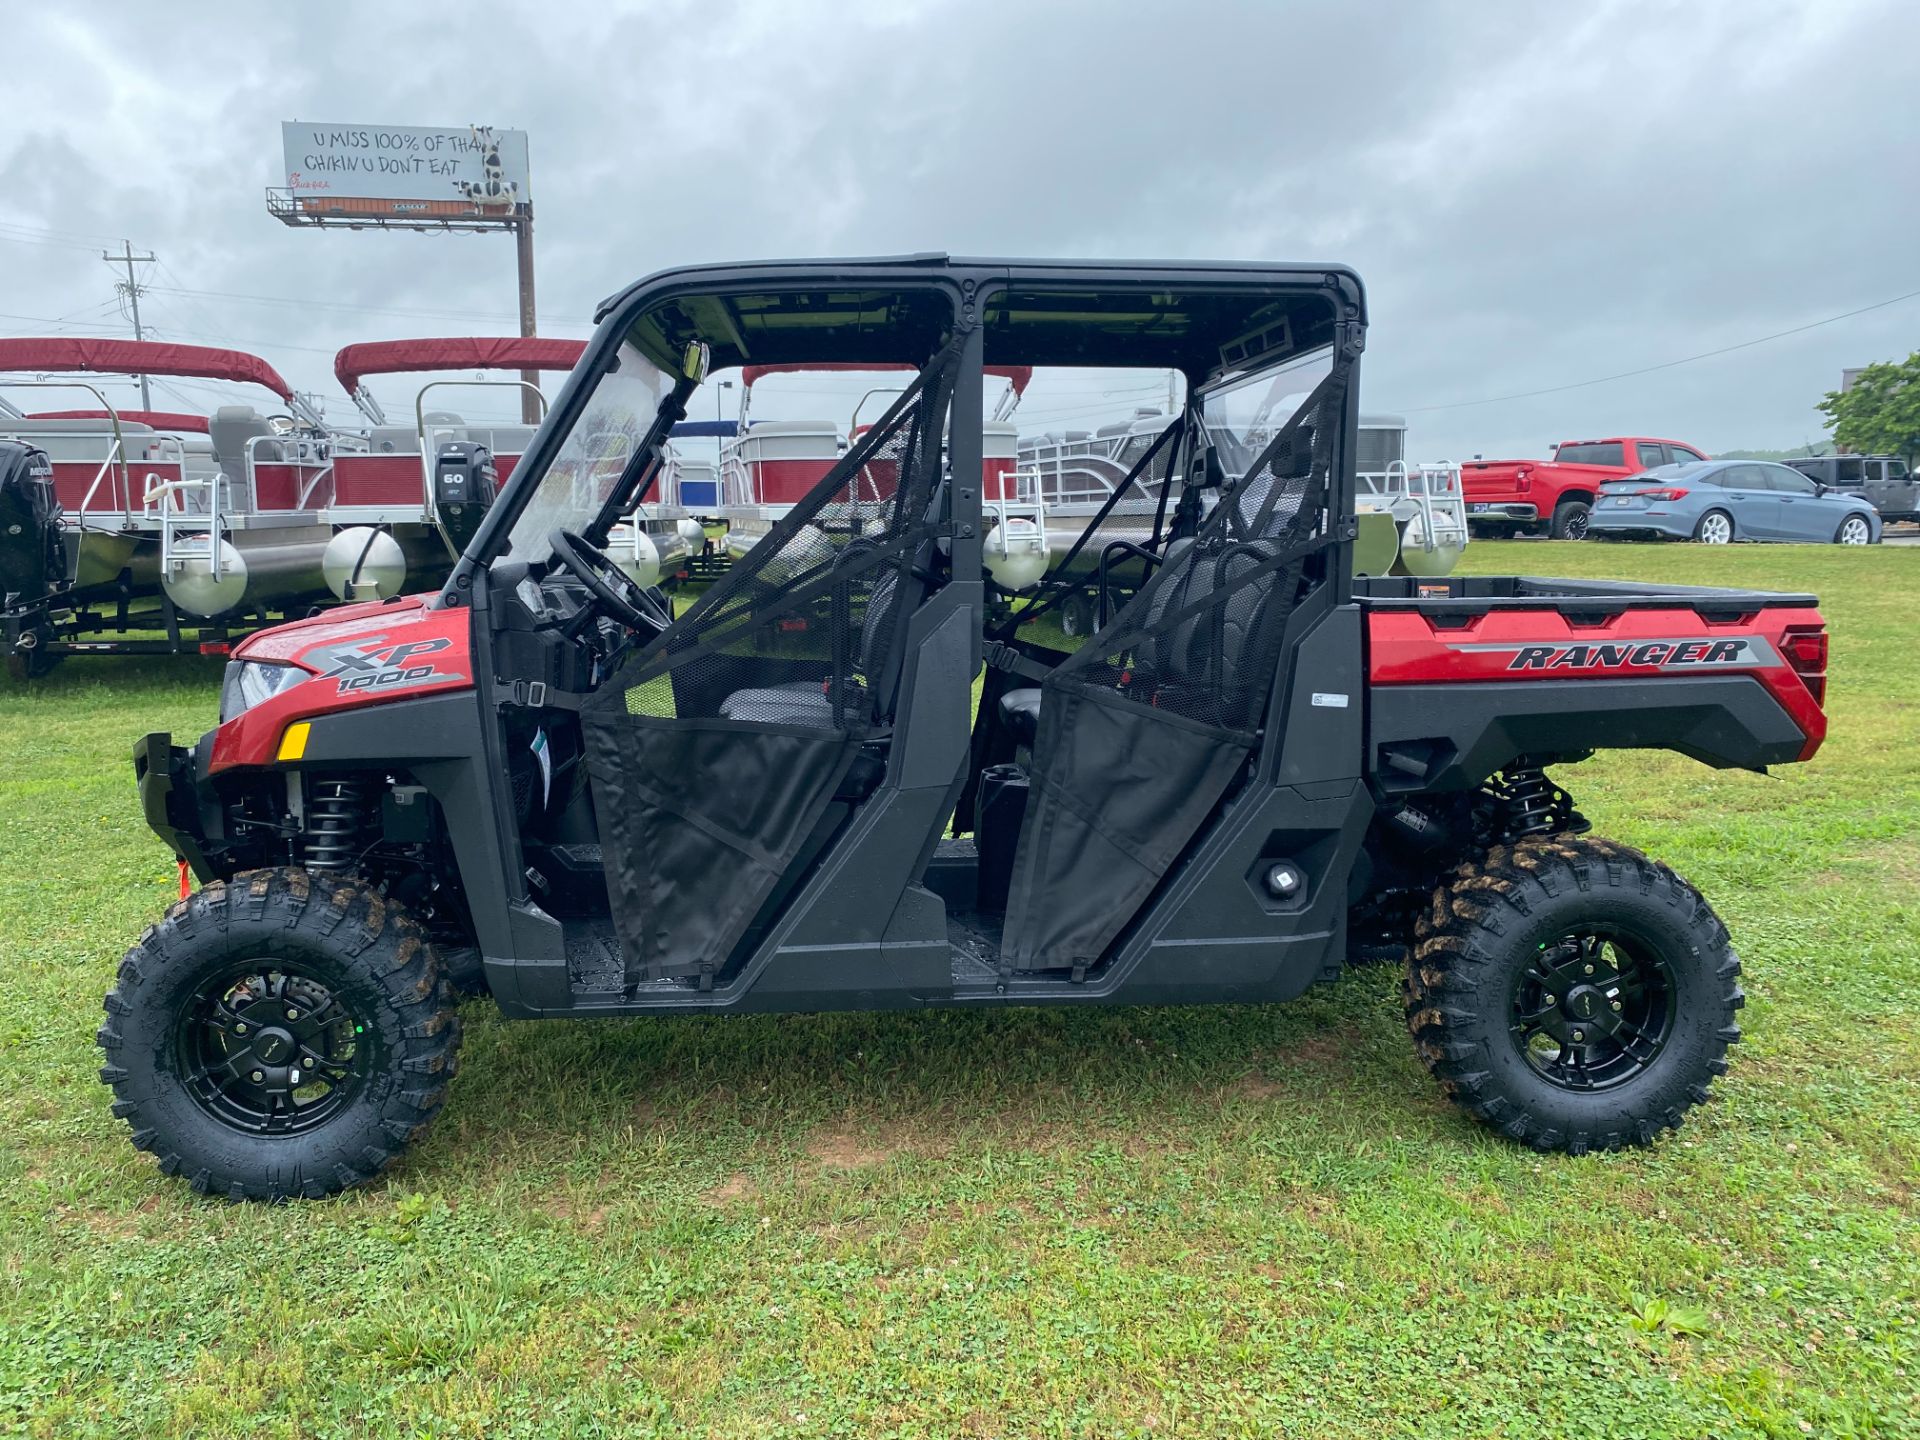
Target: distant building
(1847, 377)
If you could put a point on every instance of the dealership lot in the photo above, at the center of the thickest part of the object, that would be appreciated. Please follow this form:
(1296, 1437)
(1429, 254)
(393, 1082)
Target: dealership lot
(864, 1223)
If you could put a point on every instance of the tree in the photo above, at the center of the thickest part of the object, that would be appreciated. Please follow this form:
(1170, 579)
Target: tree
(1880, 415)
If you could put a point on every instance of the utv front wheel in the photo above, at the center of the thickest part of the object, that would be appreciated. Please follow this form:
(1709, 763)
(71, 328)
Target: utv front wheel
(1573, 994)
(283, 1034)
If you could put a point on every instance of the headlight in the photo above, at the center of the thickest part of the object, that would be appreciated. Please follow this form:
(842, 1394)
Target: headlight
(248, 682)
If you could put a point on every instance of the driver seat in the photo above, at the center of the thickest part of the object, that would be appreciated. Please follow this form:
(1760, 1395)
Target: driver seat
(809, 703)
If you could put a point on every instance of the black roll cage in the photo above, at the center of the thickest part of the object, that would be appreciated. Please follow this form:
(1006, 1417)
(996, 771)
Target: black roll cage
(969, 284)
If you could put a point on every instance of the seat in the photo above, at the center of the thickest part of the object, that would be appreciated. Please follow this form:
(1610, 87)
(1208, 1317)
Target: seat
(809, 703)
(1020, 713)
(1182, 653)
(229, 429)
(805, 703)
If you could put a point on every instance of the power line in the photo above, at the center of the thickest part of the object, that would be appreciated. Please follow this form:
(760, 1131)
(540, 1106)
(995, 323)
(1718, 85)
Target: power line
(449, 314)
(91, 239)
(1665, 364)
(58, 319)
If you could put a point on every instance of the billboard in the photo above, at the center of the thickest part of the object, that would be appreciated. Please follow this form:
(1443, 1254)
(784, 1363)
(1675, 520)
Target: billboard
(406, 169)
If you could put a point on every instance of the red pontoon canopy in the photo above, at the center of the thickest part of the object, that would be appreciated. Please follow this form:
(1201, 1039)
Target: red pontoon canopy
(158, 419)
(141, 357)
(1015, 375)
(479, 352)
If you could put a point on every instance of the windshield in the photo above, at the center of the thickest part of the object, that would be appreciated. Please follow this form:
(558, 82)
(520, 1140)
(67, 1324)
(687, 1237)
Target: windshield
(1595, 452)
(1245, 414)
(594, 455)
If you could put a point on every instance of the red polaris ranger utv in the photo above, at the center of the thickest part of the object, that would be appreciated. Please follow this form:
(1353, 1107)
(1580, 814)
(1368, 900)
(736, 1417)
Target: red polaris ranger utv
(540, 783)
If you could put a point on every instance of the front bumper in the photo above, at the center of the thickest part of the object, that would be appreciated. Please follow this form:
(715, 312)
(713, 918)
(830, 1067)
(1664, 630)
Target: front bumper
(171, 789)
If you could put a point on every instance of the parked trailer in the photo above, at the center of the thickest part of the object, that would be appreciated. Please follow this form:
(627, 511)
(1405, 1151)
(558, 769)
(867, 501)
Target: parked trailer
(163, 514)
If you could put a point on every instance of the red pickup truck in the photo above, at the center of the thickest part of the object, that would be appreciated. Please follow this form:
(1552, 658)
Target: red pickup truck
(1509, 497)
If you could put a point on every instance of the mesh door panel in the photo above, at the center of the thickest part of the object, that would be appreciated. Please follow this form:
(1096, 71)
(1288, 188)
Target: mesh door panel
(1143, 731)
(715, 751)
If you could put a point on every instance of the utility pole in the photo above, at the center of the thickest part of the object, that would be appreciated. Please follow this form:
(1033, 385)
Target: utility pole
(523, 253)
(131, 288)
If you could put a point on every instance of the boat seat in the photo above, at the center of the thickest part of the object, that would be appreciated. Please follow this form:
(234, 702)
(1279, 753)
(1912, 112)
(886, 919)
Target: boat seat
(393, 440)
(229, 429)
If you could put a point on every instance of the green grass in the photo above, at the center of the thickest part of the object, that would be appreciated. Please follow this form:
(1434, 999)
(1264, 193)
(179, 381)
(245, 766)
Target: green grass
(1251, 1221)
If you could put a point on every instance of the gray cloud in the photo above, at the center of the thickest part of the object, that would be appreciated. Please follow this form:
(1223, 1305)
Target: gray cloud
(1536, 195)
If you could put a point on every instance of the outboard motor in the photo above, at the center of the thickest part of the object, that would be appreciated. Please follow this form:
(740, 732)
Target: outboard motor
(463, 488)
(33, 559)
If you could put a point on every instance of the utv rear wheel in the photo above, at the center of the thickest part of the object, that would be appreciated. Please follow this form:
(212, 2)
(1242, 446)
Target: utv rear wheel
(1570, 520)
(1573, 994)
(283, 1034)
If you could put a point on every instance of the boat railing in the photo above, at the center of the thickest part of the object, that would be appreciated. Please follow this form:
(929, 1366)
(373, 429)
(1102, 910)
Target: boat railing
(1429, 491)
(114, 467)
(310, 458)
(1078, 473)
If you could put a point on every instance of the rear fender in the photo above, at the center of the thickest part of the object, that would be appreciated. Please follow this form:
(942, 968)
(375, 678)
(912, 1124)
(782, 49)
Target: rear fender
(1450, 704)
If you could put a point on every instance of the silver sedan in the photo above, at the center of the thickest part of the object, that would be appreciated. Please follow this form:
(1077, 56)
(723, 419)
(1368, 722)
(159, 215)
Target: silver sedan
(1719, 501)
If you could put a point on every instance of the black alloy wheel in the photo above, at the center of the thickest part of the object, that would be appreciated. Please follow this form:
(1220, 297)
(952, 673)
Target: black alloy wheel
(270, 1050)
(1594, 1010)
(1570, 520)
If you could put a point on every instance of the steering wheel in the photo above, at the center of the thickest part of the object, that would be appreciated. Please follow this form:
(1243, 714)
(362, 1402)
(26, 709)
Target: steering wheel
(616, 591)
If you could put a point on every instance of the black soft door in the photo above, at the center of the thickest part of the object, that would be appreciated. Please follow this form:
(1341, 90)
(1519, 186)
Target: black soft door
(715, 752)
(1146, 728)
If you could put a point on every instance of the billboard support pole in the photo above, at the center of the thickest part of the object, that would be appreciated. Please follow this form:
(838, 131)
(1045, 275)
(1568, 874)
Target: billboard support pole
(523, 250)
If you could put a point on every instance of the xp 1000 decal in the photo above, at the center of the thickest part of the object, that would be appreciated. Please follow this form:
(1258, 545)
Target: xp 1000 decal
(383, 664)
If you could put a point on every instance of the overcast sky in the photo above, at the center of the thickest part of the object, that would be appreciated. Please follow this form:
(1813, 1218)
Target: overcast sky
(1536, 195)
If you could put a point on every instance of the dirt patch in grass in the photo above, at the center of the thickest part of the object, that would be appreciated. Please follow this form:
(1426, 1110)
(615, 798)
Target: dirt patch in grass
(840, 1150)
(737, 1186)
(1253, 1086)
(1324, 1049)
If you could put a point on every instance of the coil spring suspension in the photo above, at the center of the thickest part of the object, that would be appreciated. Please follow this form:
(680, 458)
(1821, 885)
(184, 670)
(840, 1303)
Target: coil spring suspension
(334, 812)
(1532, 802)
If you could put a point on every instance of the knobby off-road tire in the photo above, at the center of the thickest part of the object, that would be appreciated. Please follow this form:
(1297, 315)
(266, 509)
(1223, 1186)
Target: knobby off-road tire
(283, 1034)
(1503, 971)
